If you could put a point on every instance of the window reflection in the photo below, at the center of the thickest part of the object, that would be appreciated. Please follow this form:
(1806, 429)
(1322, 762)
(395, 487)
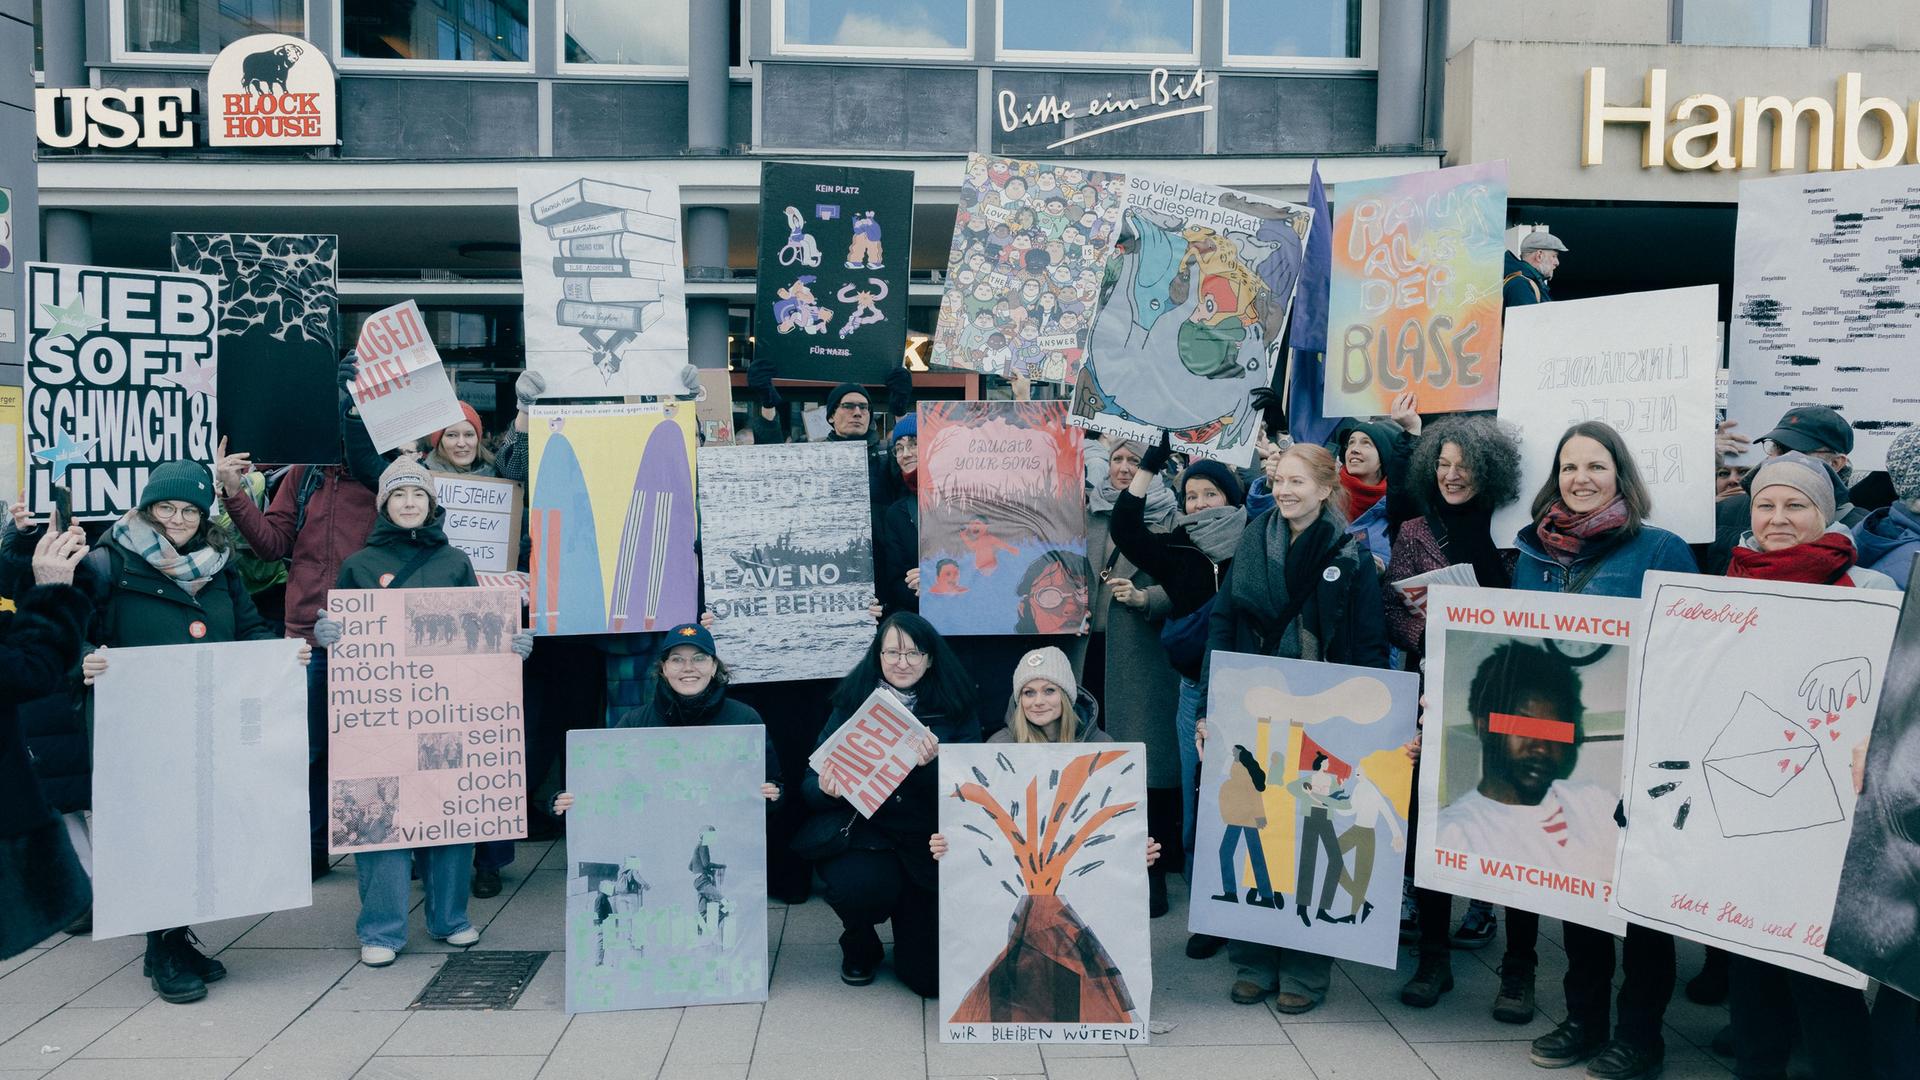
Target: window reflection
(1145, 27)
(1746, 22)
(474, 31)
(646, 32)
(1286, 28)
(202, 26)
(884, 24)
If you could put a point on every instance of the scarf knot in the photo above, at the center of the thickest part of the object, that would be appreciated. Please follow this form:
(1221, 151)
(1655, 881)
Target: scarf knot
(191, 570)
(1566, 534)
(1823, 561)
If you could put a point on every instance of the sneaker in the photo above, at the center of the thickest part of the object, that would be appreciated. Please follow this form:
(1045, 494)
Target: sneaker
(376, 955)
(1620, 1060)
(169, 975)
(1293, 1004)
(1432, 978)
(1477, 927)
(462, 938)
(1569, 1044)
(1248, 992)
(182, 942)
(1202, 946)
(486, 882)
(1514, 1003)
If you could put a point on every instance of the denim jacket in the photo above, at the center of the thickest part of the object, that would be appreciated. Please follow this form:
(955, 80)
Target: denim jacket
(1620, 564)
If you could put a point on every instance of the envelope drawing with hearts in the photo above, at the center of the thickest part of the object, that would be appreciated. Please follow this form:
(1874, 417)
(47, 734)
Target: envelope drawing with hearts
(1767, 774)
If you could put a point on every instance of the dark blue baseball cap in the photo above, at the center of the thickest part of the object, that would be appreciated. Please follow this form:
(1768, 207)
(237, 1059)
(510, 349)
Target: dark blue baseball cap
(689, 634)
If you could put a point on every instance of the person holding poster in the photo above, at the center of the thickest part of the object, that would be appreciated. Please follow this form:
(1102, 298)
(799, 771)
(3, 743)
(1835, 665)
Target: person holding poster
(878, 869)
(1303, 589)
(1589, 535)
(163, 575)
(409, 549)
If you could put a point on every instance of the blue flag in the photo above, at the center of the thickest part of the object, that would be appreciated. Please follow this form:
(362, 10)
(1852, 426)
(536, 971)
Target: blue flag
(1308, 336)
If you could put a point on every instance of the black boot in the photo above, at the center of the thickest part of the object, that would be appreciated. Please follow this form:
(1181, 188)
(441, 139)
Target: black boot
(182, 941)
(170, 976)
(1156, 894)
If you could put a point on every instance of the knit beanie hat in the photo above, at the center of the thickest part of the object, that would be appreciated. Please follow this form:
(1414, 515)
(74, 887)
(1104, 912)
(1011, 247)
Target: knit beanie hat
(835, 395)
(1220, 475)
(1807, 475)
(187, 481)
(479, 429)
(1903, 464)
(907, 427)
(1049, 664)
(404, 472)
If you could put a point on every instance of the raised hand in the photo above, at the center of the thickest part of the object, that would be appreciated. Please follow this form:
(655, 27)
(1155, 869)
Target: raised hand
(57, 553)
(231, 469)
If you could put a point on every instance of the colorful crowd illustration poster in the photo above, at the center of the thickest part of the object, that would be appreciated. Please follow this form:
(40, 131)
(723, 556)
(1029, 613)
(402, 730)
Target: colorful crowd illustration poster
(1520, 764)
(1043, 894)
(1415, 303)
(1192, 322)
(831, 304)
(279, 324)
(1030, 249)
(120, 377)
(426, 731)
(666, 868)
(1746, 702)
(605, 287)
(788, 555)
(1876, 917)
(1003, 540)
(612, 518)
(1302, 830)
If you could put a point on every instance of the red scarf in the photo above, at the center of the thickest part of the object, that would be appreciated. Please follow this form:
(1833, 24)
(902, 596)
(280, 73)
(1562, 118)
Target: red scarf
(911, 480)
(1361, 495)
(1824, 561)
(1566, 534)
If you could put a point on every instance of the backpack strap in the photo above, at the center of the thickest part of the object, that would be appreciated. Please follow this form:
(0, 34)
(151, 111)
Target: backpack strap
(310, 481)
(406, 571)
(1531, 284)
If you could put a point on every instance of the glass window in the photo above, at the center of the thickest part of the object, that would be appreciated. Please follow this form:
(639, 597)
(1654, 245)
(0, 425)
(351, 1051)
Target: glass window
(468, 30)
(652, 33)
(877, 24)
(1746, 22)
(1142, 27)
(39, 40)
(204, 27)
(1289, 28)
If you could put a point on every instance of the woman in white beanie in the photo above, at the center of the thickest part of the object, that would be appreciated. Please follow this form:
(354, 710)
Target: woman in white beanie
(1044, 694)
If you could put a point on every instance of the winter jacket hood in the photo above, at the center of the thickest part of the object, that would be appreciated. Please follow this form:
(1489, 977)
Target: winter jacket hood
(1086, 712)
(392, 548)
(1888, 540)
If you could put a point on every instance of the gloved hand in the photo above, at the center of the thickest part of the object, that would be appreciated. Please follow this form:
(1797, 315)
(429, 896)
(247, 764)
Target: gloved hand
(349, 369)
(1157, 455)
(899, 391)
(522, 643)
(326, 631)
(528, 388)
(690, 379)
(760, 382)
(1273, 412)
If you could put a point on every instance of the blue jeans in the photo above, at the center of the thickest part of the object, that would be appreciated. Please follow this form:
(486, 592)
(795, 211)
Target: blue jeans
(1185, 719)
(385, 892)
(1256, 855)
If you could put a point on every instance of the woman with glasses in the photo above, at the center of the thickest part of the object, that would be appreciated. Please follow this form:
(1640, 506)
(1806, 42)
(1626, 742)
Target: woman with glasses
(878, 868)
(163, 575)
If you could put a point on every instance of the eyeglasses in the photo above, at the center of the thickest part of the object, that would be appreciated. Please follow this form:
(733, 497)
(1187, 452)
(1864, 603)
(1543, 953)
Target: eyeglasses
(1049, 598)
(902, 656)
(856, 406)
(697, 660)
(176, 512)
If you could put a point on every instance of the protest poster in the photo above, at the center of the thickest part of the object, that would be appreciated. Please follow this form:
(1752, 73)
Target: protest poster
(666, 867)
(1043, 905)
(1193, 321)
(1030, 246)
(401, 390)
(1003, 534)
(482, 519)
(199, 807)
(120, 378)
(713, 409)
(1745, 701)
(279, 326)
(605, 289)
(1415, 306)
(1305, 790)
(1876, 914)
(12, 469)
(612, 518)
(427, 736)
(830, 305)
(1520, 764)
(867, 757)
(787, 548)
(1825, 307)
(1641, 363)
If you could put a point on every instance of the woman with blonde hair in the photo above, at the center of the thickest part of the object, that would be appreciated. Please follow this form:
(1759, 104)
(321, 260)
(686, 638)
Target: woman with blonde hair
(1045, 694)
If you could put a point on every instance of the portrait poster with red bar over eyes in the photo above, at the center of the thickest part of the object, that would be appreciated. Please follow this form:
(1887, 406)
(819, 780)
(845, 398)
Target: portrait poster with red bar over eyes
(1520, 754)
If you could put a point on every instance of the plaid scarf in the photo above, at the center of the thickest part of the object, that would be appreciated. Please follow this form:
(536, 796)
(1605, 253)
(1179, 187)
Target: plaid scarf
(191, 570)
(1566, 534)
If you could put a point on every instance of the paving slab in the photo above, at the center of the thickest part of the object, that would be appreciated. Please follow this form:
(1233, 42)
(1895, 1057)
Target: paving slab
(240, 1014)
(476, 1034)
(323, 1046)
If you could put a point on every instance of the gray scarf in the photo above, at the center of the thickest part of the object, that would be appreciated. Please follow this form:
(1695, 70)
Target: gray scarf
(1216, 530)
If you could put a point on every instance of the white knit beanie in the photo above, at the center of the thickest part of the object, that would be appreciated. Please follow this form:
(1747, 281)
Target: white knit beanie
(404, 472)
(1050, 664)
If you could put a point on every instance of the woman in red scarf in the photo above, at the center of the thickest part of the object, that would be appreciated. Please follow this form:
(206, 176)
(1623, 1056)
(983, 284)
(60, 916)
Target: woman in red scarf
(1793, 535)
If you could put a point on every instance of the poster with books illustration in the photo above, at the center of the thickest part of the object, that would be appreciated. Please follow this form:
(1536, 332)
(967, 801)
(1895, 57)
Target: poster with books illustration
(600, 265)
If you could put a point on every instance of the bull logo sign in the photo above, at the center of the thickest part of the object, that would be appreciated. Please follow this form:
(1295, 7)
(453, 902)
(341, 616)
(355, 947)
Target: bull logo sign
(271, 90)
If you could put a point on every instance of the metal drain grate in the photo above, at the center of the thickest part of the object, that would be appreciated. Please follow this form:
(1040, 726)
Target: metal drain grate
(480, 980)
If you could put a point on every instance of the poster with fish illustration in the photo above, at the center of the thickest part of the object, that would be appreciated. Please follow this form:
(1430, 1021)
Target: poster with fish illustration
(612, 518)
(1003, 534)
(1192, 322)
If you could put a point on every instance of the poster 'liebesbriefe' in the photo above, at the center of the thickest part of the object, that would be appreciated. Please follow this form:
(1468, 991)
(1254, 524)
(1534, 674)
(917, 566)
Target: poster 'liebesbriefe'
(787, 550)
(1192, 323)
(832, 297)
(279, 340)
(1030, 245)
(121, 377)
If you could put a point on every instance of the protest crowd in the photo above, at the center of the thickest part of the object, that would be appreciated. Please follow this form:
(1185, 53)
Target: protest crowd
(1320, 549)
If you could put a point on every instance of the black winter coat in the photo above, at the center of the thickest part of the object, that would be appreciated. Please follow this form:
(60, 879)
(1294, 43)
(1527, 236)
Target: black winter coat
(897, 552)
(1174, 562)
(391, 549)
(136, 605)
(54, 725)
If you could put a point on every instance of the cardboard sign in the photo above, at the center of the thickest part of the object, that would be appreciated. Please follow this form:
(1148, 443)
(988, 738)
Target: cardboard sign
(427, 735)
(402, 390)
(714, 407)
(1415, 300)
(483, 519)
(1532, 828)
(870, 754)
(121, 370)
